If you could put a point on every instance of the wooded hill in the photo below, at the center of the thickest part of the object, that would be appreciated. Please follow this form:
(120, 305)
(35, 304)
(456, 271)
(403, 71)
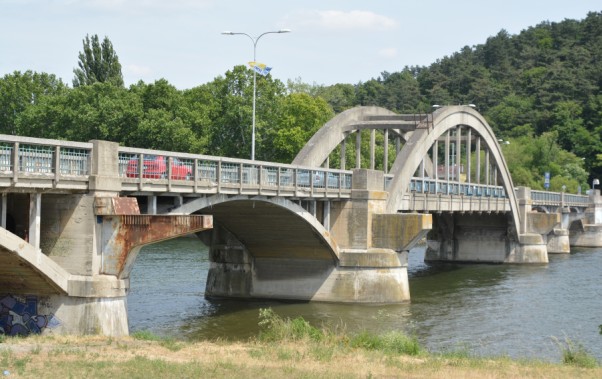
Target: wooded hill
(539, 89)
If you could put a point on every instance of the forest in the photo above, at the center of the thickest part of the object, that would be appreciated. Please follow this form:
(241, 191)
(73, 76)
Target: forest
(539, 90)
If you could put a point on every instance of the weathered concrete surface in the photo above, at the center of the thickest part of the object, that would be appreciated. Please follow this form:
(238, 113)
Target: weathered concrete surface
(481, 238)
(549, 226)
(399, 231)
(281, 255)
(588, 231)
(376, 277)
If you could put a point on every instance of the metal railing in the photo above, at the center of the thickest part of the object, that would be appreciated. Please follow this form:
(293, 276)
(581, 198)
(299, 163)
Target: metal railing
(558, 198)
(32, 156)
(431, 186)
(44, 158)
(140, 164)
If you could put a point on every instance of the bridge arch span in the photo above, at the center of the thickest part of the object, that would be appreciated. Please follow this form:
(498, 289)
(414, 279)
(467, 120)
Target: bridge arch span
(424, 139)
(319, 147)
(279, 227)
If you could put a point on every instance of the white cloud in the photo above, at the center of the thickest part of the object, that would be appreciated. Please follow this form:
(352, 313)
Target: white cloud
(389, 52)
(341, 20)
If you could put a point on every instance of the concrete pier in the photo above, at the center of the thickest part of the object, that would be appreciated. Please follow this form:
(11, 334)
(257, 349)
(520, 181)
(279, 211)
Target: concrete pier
(587, 232)
(365, 262)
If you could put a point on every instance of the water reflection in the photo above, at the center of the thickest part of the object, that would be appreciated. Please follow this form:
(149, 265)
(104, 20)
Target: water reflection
(491, 309)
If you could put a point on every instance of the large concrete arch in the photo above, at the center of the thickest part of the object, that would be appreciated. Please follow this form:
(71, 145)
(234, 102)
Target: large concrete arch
(423, 139)
(319, 147)
(279, 225)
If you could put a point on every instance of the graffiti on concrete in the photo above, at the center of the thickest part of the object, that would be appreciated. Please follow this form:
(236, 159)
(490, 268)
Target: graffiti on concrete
(20, 316)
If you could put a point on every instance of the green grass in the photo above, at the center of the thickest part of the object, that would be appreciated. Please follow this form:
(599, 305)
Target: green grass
(389, 343)
(168, 343)
(575, 354)
(145, 335)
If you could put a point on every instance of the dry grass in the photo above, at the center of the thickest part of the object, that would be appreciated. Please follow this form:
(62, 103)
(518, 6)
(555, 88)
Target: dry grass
(102, 357)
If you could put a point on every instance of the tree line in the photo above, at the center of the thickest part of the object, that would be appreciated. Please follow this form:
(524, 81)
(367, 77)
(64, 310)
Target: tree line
(539, 90)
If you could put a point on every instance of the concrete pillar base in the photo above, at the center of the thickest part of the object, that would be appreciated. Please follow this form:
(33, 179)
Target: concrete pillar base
(315, 280)
(558, 242)
(589, 235)
(62, 314)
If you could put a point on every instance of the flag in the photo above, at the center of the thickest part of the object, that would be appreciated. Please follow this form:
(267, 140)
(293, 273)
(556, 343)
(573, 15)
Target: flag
(260, 68)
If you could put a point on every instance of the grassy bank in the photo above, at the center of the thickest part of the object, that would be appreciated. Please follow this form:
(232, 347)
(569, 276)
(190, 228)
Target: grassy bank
(285, 348)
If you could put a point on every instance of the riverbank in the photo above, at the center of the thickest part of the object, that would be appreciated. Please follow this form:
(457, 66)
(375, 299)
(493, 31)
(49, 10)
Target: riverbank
(103, 357)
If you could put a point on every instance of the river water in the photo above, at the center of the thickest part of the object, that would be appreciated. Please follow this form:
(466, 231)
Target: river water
(514, 310)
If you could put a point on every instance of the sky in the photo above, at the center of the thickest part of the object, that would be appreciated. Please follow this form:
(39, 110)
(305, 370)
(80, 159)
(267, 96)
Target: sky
(331, 41)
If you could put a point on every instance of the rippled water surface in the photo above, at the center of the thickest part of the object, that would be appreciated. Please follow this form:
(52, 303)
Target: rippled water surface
(515, 310)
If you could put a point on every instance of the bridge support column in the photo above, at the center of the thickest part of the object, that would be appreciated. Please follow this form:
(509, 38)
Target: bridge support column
(59, 282)
(373, 259)
(483, 238)
(558, 240)
(587, 232)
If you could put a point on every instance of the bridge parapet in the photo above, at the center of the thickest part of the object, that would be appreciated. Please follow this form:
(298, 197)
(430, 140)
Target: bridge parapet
(153, 171)
(33, 163)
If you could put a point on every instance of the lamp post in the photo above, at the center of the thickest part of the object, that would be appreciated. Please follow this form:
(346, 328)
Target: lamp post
(255, 40)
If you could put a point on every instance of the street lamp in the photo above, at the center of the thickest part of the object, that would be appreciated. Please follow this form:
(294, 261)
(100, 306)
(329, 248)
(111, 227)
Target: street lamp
(594, 182)
(255, 40)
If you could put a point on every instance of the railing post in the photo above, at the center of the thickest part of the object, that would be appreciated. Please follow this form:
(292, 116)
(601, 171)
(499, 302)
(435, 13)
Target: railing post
(15, 159)
(218, 172)
(57, 163)
(169, 162)
(195, 177)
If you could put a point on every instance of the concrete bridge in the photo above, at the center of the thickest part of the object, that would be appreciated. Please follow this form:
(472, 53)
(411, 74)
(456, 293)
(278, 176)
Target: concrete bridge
(72, 224)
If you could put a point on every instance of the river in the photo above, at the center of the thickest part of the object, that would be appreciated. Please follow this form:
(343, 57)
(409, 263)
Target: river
(522, 311)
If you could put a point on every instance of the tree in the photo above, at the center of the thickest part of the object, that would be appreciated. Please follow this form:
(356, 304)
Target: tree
(299, 117)
(97, 111)
(20, 91)
(98, 63)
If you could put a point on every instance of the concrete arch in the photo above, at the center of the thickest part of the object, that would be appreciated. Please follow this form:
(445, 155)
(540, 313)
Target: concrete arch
(278, 212)
(319, 147)
(419, 143)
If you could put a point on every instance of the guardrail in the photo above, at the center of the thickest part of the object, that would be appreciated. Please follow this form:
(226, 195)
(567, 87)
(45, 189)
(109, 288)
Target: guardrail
(23, 155)
(558, 198)
(421, 185)
(139, 165)
(56, 160)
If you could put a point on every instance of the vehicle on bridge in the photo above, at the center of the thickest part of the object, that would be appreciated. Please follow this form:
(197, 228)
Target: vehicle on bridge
(155, 167)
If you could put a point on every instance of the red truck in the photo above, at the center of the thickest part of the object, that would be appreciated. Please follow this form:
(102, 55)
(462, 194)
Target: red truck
(155, 167)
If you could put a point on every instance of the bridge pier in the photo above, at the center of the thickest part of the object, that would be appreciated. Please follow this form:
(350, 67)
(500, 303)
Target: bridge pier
(59, 246)
(587, 232)
(367, 263)
(481, 238)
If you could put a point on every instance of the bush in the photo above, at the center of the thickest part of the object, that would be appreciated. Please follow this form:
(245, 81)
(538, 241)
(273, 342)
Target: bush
(575, 354)
(275, 328)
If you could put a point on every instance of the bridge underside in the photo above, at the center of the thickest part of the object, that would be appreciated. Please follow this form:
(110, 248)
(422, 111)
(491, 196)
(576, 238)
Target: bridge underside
(18, 277)
(271, 231)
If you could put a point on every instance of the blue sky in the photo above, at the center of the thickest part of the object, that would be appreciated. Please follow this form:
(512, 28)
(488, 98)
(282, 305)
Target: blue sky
(332, 41)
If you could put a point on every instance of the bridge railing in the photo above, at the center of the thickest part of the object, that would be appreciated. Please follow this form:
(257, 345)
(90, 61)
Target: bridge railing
(431, 186)
(24, 155)
(139, 165)
(558, 198)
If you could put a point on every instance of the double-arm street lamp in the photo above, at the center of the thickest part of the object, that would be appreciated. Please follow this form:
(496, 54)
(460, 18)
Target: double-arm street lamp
(255, 40)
